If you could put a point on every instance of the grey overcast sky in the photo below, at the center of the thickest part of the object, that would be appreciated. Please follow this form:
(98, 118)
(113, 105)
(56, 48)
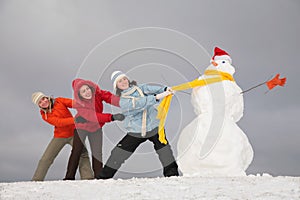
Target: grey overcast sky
(43, 43)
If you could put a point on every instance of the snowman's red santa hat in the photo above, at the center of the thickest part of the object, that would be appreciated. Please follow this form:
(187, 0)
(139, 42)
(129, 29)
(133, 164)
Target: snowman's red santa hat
(220, 54)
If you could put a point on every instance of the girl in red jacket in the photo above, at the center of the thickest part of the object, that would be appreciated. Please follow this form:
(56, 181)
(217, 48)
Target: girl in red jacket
(89, 121)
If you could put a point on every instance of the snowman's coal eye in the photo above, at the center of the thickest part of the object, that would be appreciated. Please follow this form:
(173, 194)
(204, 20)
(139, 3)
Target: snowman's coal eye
(223, 61)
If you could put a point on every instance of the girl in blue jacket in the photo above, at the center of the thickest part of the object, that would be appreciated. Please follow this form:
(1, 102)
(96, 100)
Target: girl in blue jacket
(137, 104)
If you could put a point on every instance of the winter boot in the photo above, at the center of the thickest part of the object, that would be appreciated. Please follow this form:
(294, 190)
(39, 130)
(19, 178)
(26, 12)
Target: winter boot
(69, 179)
(171, 170)
(106, 173)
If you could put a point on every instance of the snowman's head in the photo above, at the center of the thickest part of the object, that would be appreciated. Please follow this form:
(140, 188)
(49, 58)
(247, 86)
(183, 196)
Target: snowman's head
(223, 65)
(221, 61)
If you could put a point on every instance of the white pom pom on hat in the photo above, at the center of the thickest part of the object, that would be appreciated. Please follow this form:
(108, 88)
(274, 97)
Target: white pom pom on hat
(220, 54)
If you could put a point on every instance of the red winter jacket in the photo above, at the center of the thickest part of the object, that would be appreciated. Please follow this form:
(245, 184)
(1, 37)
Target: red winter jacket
(60, 117)
(92, 109)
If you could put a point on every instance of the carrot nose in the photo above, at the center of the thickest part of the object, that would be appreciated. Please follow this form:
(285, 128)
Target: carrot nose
(214, 63)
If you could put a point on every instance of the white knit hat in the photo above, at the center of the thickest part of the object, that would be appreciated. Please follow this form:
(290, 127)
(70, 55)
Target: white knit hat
(37, 96)
(116, 76)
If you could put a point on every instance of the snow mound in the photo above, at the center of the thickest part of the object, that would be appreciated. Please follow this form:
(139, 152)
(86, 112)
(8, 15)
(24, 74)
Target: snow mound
(249, 187)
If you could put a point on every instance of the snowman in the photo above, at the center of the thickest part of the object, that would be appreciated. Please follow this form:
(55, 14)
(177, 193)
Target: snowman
(213, 144)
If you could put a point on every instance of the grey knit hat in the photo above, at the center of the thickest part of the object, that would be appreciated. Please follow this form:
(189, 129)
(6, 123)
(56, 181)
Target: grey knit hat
(116, 76)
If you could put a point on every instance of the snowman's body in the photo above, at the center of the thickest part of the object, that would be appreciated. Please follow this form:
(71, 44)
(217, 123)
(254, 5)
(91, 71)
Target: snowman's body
(213, 144)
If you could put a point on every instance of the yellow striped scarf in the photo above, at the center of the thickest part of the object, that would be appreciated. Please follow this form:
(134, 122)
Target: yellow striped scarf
(163, 107)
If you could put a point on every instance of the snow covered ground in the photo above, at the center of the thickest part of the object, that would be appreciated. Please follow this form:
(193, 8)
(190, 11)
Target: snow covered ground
(250, 187)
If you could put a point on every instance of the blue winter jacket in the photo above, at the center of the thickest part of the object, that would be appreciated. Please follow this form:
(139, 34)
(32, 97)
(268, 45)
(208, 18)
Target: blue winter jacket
(133, 114)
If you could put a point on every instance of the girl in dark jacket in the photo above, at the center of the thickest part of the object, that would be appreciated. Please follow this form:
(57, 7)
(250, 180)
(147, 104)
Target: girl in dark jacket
(89, 122)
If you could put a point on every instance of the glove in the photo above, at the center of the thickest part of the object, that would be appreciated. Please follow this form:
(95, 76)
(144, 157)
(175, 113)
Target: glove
(119, 117)
(162, 95)
(80, 119)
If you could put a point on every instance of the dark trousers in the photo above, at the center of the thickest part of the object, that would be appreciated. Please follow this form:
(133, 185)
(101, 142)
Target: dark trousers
(95, 140)
(125, 148)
